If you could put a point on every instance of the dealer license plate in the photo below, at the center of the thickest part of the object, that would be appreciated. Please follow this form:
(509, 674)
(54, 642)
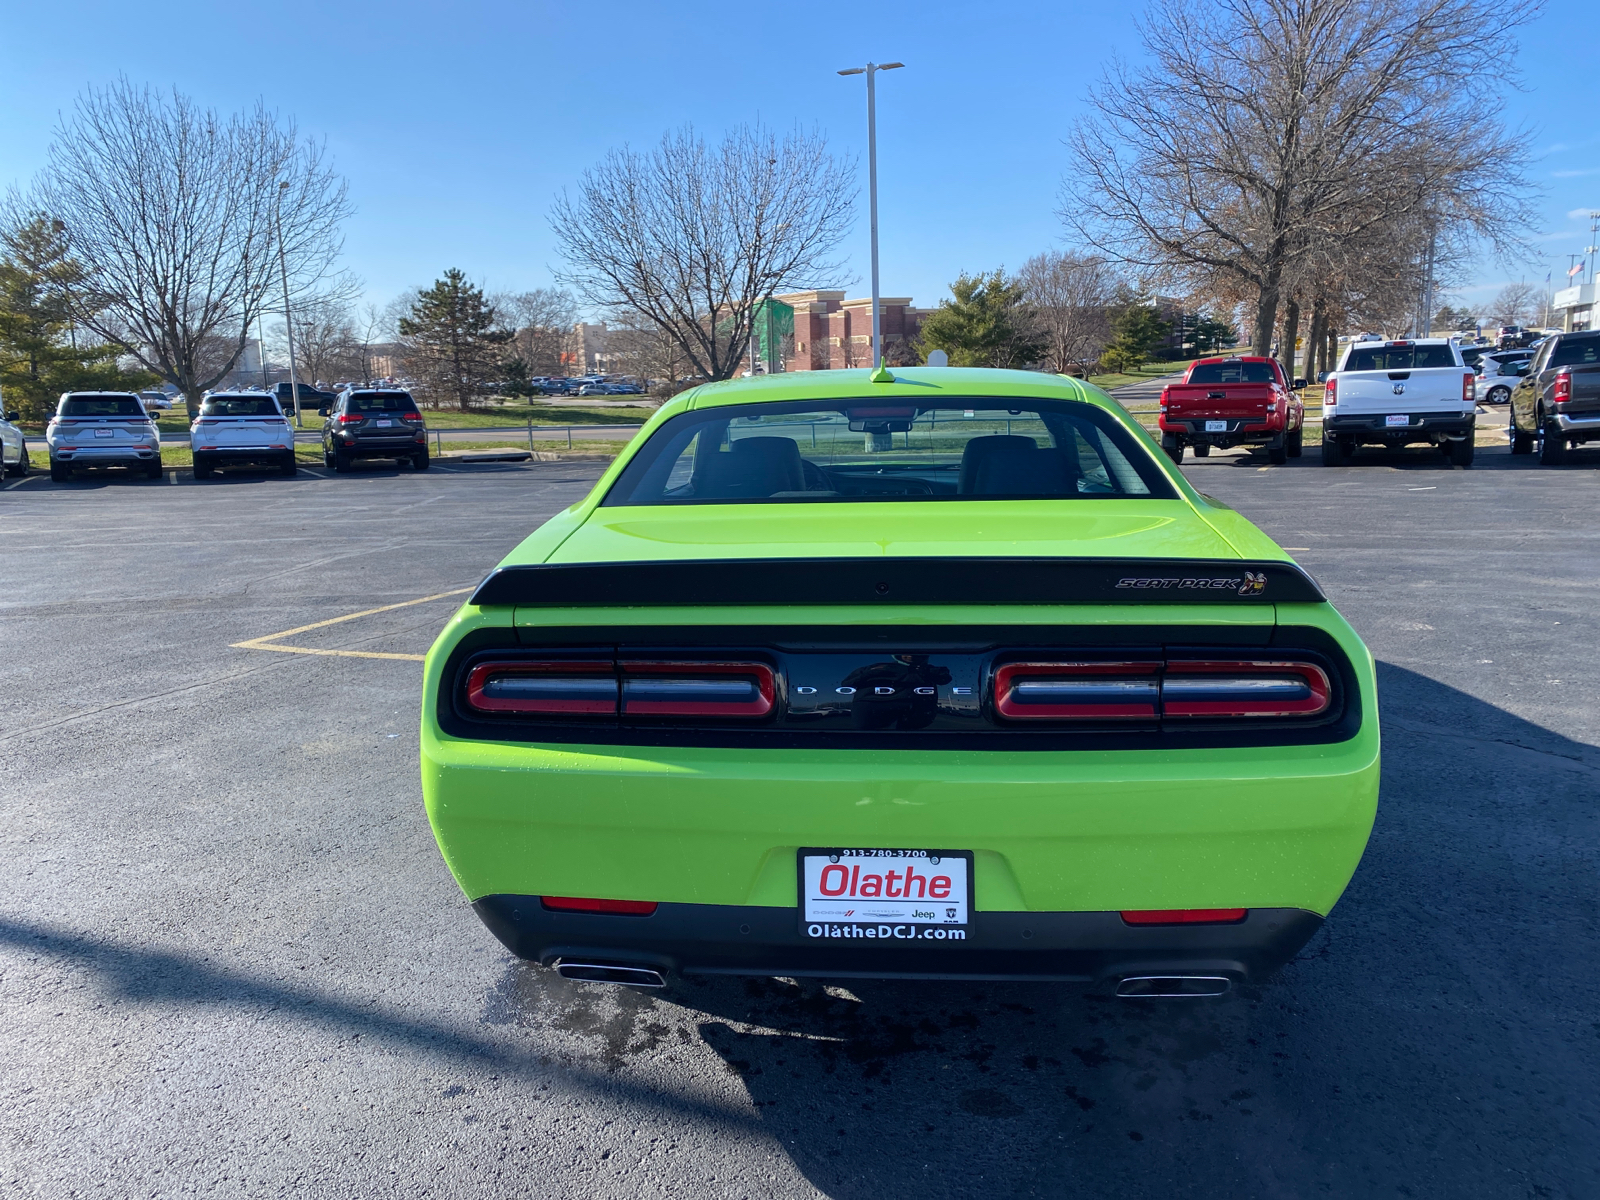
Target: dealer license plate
(105, 433)
(1397, 419)
(384, 424)
(923, 896)
(1216, 427)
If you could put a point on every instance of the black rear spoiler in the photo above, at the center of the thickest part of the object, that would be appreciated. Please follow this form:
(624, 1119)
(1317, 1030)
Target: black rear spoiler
(806, 581)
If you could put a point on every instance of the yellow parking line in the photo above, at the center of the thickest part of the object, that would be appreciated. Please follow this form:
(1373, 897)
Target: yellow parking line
(263, 642)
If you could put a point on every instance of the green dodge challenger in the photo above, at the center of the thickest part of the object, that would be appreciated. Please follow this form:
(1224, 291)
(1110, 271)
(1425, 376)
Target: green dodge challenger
(949, 675)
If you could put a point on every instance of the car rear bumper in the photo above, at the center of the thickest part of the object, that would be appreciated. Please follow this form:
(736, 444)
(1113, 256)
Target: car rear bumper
(1422, 426)
(1091, 948)
(1583, 422)
(384, 447)
(103, 455)
(1239, 431)
(222, 454)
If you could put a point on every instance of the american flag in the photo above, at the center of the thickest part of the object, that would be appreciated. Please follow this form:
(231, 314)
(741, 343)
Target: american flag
(1576, 267)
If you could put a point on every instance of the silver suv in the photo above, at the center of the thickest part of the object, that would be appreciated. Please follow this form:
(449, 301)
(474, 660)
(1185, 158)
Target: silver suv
(102, 429)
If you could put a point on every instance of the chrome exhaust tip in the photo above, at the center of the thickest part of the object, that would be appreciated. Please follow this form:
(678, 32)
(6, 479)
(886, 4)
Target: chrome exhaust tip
(627, 974)
(1166, 987)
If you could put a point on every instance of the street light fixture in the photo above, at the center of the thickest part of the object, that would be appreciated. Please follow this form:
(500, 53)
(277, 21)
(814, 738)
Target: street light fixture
(288, 321)
(869, 71)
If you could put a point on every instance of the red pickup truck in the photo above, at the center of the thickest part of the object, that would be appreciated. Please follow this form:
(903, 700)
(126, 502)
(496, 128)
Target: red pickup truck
(1232, 402)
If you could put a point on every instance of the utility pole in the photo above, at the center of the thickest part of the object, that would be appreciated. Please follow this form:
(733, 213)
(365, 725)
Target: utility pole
(288, 322)
(870, 70)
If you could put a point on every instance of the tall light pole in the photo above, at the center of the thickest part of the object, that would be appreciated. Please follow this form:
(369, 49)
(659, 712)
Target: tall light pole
(288, 321)
(869, 71)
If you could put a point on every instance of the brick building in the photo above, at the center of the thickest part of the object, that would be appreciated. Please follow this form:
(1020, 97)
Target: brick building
(831, 333)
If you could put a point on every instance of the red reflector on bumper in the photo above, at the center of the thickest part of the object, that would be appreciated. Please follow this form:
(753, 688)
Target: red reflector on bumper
(1185, 916)
(625, 908)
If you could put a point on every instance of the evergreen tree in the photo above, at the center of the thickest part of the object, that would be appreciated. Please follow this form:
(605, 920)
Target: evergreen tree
(1211, 335)
(1138, 334)
(984, 324)
(41, 355)
(452, 345)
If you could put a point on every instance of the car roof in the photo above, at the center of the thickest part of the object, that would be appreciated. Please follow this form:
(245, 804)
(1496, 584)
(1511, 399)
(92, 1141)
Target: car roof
(909, 384)
(1217, 358)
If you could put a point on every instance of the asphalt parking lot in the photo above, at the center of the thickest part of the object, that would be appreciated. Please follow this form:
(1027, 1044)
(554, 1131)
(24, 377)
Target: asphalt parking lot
(233, 964)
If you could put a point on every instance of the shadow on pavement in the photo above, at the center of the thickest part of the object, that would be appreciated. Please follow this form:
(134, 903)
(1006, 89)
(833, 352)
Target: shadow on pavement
(1435, 1039)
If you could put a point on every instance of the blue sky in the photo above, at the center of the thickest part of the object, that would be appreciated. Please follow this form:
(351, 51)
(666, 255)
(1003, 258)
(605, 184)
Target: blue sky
(456, 124)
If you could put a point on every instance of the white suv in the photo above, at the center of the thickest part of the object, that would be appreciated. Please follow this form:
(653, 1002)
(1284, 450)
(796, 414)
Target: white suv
(238, 429)
(1397, 393)
(102, 429)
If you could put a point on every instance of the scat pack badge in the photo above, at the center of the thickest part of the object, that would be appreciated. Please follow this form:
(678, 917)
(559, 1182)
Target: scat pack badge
(1253, 583)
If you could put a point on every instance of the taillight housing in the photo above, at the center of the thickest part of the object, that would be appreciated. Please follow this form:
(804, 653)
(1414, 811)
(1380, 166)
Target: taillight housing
(553, 688)
(653, 688)
(599, 687)
(411, 416)
(1467, 381)
(1153, 689)
(1163, 397)
(1563, 388)
(1244, 689)
(1330, 396)
(351, 418)
(1078, 691)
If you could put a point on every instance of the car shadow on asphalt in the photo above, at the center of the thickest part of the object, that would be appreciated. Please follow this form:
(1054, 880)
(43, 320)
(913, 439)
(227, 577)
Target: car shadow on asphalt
(1442, 1003)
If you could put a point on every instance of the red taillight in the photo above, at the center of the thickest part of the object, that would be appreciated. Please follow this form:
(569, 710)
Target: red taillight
(411, 416)
(1185, 916)
(1244, 689)
(1163, 397)
(621, 908)
(1466, 388)
(1330, 397)
(351, 418)
(1078, 691)
(1563, 389)
(1144, 690)
(697, 689)
(553, 688)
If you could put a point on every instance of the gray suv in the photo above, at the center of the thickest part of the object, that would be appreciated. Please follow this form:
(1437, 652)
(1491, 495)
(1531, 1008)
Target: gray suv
(1558, 400)
(374, 423)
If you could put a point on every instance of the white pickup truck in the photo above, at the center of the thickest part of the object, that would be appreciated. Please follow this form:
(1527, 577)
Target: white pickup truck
(1398, 393)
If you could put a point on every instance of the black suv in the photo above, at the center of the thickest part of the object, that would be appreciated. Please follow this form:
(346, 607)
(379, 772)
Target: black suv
(374, 423)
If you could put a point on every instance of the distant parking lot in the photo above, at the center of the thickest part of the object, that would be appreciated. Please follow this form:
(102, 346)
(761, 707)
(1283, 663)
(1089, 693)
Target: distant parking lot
(231, 961)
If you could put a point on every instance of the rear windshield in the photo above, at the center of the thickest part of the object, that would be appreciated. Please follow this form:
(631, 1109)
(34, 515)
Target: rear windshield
(1574, 352)
(101, 406)
(239, 406)
(361, 402)
(1399, 358)
(854, 450)
(1232, 372)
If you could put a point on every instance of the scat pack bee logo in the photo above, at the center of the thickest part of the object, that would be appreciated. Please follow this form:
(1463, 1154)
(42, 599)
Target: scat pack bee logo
(1253, 583)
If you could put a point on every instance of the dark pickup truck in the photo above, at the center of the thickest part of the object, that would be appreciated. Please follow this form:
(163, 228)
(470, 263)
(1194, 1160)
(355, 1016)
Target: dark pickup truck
(310, 397)
(1229, 402)
(1557, 402)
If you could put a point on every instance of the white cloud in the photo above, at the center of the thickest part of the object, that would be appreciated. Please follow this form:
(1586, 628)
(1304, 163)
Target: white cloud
(1573, 174)
(1579, 214)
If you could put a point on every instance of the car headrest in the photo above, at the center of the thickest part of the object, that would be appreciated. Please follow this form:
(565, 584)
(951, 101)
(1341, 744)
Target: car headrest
(1024, 471)
(979, 448)
(754, 467)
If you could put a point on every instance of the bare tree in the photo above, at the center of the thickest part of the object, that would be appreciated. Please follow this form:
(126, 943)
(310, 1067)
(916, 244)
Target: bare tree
(1514, 304)
(543, 320)
(175, 213)
(1262, 132)
(1070, 299)
(693, 238)
(325, 336)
